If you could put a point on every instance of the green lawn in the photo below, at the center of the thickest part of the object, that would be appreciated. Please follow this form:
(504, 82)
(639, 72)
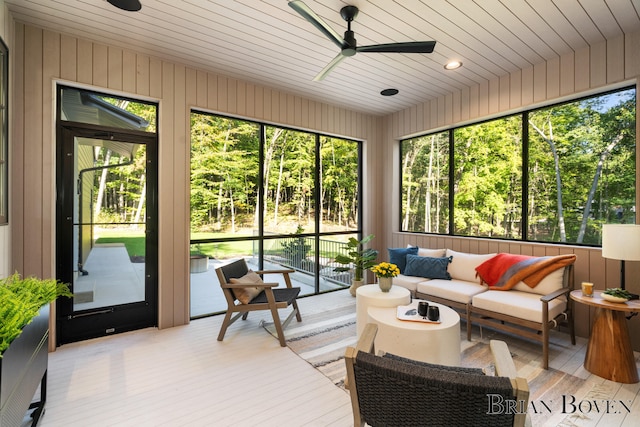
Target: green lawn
(133, 240)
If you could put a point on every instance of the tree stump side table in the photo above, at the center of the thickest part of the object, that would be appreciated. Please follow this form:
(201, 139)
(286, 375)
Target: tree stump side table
(609, 353)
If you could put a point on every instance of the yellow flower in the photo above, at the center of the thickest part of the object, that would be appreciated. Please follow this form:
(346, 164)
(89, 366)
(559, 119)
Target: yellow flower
(385, 269)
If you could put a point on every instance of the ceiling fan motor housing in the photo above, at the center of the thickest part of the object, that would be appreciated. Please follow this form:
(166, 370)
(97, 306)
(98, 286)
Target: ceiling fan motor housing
(349, 48)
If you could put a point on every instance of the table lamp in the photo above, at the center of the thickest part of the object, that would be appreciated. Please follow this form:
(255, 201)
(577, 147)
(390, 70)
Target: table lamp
(621, 241)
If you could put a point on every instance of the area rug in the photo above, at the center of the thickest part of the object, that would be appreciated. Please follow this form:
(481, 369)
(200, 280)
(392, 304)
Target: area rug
(321, 340)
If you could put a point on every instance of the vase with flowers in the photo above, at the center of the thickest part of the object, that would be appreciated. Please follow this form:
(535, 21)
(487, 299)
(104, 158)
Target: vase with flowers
(385, 272)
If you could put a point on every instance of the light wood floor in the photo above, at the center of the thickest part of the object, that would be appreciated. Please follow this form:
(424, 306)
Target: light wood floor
(183, 377)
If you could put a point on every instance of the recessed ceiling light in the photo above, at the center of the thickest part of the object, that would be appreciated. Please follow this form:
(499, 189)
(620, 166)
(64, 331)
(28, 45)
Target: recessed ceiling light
(128, 5)
(452, 65)
(389, 92)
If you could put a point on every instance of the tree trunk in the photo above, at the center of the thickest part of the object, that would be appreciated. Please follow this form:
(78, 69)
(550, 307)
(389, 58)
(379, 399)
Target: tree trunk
(594, 186)
(141, 201)
(102, 185)
(556, 161)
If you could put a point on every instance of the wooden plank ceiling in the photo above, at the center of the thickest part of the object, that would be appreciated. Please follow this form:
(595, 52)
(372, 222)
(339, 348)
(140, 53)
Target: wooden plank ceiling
(267, 42)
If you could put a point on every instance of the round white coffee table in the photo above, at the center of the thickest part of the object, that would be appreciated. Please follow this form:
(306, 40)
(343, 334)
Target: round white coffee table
(371, 296)
(428, 342)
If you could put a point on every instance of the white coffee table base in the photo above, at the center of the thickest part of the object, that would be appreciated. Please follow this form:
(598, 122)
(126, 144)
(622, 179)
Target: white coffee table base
(428, 342)
(371, 296)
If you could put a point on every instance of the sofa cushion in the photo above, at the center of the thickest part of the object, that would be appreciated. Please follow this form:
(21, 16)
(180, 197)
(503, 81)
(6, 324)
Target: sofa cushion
(428, 267)
(455, 290)
(552, 282)
(409, 282)
(463, 265)
(398, 256)
(434, 253)
(523, 305)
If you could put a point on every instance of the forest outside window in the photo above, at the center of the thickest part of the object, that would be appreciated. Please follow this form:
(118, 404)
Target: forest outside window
(276, 196)
(553, 174)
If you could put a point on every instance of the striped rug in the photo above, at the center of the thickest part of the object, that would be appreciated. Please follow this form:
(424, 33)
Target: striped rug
(322, 338)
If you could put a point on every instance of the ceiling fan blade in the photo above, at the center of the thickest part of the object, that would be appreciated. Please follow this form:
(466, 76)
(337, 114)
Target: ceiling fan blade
(330, 66)
(406, 47)
(310, 15)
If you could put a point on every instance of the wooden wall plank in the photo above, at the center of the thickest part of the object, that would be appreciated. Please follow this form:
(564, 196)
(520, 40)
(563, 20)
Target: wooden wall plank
(129, 72)
(232, 96)
(33, 151)
(166, 233)
(143, 75)
(494, 96)
(155, 78)
(249, 101)
(539, 82)
(180, 199)
(631, 57)
(114, 68)
(582, 69)
(68, 54)
(553, 78)
(474, 102)
(223, 89)
(50, 70)
(504, 93)
(258, 102)
(100, 65)
(527, 86)
(85, 67)
(17, 153)
(598, 65)
(483, 98)
(567, 74)
(615, 60)
(515, 89)
(202, 90)
(241, 98)
(212, 92)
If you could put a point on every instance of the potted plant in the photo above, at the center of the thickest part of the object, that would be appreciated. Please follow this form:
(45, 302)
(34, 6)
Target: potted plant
(24, 339)
(385, 272)
(357, 259)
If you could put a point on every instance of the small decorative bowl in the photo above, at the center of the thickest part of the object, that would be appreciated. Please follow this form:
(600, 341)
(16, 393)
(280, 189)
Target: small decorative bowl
(611, 298)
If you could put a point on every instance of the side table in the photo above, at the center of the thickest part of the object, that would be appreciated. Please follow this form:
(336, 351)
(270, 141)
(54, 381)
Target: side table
(609, 353)
(371, 296)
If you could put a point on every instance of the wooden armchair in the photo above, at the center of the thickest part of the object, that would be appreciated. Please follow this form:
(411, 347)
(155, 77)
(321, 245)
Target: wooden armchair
(391, 390)
(245, 291)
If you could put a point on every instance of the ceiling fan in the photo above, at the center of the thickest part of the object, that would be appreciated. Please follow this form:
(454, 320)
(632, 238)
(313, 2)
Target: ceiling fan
(347, 45)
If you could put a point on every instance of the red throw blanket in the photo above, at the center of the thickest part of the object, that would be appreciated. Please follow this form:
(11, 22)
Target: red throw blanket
(504, 271)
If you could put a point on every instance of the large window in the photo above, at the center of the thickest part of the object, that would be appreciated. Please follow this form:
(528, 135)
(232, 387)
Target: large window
(554, 174)
(277, 197)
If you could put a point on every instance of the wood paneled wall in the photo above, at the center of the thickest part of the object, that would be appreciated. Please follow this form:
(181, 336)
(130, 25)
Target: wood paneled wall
(602, 66)
(40, 58)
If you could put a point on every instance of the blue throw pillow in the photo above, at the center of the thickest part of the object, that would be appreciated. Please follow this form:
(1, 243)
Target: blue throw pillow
(430, 268)
(398, 256)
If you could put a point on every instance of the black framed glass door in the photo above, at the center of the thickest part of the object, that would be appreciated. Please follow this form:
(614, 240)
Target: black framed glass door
(106, 242)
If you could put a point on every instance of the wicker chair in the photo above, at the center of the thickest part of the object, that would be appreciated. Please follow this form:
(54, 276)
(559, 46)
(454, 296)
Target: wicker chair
(390, 390)
(268, 298)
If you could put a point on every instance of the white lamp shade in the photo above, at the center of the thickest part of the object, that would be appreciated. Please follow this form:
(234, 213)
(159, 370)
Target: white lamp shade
(621, 241)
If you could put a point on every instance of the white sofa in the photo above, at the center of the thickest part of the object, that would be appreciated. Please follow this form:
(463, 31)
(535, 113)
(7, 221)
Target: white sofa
(522, 310)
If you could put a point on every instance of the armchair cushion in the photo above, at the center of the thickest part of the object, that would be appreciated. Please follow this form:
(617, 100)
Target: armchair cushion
(428, 267)
(245, 295)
